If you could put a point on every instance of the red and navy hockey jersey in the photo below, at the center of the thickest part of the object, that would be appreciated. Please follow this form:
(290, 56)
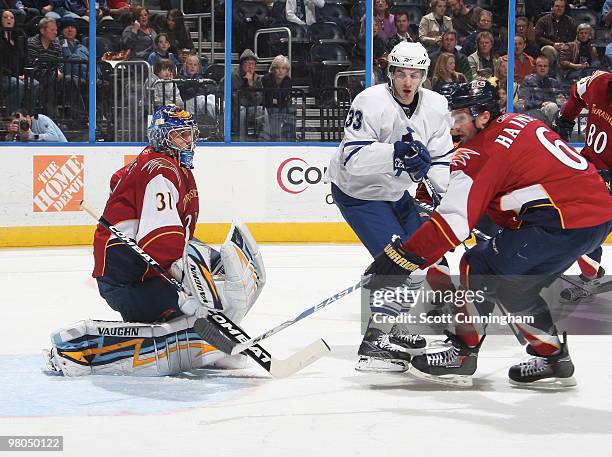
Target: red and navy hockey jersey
(153, 200)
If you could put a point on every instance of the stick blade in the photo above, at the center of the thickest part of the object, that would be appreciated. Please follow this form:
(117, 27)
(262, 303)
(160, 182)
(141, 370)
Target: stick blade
(212, 335)
(300, 360)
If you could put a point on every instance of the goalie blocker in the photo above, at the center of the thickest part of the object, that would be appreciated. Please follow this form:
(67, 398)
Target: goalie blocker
(229, 281)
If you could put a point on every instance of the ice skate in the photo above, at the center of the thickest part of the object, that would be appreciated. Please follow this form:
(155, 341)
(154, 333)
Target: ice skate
(554, 371)
(51, 368)
(412, 344)
(585, 290)
(453, 365)
(377, 354)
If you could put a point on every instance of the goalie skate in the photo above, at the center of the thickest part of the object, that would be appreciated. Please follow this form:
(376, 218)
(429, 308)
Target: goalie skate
(451, 366)
(377, 354)
(51, 368)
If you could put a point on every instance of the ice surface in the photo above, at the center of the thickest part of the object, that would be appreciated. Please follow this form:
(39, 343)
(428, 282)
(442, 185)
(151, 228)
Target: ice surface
(328, 409)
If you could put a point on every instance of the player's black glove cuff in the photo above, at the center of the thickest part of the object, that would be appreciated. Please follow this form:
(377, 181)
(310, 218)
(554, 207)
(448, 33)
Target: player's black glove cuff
(562, 126)
(391, 267)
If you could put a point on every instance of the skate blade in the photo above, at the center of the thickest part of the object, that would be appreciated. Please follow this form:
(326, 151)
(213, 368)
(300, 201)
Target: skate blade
(50, 369)
(375, 365)
(453, 380)
(548, 384)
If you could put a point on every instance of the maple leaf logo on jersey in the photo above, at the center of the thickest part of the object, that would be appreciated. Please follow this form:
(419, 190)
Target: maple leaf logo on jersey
(156, 164)
(461, 156)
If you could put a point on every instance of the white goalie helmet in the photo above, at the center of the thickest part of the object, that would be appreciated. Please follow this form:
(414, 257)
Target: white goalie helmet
(409, 55)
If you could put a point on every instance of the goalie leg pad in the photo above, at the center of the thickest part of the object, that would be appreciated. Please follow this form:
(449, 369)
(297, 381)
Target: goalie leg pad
(130, 349)
(244, 272)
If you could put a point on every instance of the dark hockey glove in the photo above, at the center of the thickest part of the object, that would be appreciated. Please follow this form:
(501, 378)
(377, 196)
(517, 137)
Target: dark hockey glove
(411, 157)
(562, 126)
(391, 267)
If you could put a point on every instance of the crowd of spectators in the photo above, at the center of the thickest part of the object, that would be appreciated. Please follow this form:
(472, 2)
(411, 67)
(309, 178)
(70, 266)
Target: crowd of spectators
(44, 54)
(556, 42)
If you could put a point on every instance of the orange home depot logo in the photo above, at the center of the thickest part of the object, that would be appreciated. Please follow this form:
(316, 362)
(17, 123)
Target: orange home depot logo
(57, 183)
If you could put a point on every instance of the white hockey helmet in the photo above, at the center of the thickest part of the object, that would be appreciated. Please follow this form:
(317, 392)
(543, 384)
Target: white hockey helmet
(409, 55)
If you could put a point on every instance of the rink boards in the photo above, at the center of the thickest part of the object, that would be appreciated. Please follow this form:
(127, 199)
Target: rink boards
(278, 190)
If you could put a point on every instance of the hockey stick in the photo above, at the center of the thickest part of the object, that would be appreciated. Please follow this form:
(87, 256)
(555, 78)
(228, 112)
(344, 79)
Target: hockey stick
(600, 289)
(232, 349)
(223, 325)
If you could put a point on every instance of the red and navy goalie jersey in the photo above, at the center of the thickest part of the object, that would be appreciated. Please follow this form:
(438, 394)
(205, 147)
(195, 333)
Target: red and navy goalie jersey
(594, 93)
(152, 200)
(520, 173)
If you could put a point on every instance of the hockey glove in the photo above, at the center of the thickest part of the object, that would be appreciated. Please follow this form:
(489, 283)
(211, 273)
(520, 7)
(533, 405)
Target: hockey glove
(562, 126)
(411, 157)
(391, 267)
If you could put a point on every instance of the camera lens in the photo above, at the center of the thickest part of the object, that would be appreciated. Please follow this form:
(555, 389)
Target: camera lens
(24, 125)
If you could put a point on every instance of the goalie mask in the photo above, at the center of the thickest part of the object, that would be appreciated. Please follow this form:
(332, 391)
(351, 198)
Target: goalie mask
(173, 130)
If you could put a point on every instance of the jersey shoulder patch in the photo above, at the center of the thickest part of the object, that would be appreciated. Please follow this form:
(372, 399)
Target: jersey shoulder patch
(164, 166)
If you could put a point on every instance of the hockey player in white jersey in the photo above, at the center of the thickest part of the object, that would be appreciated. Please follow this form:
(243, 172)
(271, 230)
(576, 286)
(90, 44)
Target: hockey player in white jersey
(395, 134)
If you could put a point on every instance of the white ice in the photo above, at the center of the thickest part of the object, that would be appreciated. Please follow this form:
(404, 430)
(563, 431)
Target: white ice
(326, 410)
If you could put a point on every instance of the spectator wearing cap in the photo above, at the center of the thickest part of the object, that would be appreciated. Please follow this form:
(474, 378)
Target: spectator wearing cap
(72, 49)
(244, 77)
(247, 100)
(302, 12)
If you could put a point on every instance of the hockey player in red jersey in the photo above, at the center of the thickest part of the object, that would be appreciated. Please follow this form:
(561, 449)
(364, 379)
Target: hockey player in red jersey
(154, 201)
(553, 206)
(595, 94)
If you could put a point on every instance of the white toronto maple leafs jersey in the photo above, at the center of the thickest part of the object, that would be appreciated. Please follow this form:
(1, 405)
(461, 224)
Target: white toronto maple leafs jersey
(362, 166)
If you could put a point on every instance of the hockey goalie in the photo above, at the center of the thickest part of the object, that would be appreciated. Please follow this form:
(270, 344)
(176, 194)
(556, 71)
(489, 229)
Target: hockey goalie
(154, 200)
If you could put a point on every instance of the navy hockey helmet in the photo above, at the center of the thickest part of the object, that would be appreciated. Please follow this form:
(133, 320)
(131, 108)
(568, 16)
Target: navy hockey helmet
(477, 96)
(174, 129)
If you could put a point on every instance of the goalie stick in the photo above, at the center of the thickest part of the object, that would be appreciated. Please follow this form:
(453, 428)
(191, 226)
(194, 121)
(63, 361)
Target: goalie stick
(210, 334)
(279, 368)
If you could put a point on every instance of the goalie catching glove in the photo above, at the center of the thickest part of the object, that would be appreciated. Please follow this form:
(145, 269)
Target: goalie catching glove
(391, 266)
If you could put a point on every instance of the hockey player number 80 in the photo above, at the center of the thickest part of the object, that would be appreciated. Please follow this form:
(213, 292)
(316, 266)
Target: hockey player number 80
(562, 152)
(597, 141)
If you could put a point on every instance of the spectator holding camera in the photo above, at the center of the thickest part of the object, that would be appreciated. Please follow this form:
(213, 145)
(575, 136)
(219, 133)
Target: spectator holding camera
(24, 127)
